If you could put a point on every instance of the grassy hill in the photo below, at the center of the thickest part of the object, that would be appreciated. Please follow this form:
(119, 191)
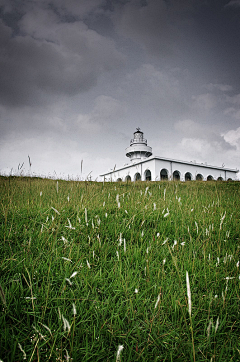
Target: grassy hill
(89, 267)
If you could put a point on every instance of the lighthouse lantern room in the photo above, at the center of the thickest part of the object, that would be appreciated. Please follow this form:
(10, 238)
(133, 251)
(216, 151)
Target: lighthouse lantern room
(138, 148)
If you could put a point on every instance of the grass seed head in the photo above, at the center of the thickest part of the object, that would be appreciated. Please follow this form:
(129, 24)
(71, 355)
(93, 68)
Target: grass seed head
(119, 351)
(189, 294)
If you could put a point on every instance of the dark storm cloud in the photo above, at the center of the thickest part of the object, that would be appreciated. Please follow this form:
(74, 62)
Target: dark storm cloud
(233, 3)
(201, 36)
(48, 55)
(157, 26)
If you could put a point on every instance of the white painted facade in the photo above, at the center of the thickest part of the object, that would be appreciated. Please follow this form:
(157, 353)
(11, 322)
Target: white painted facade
(145, 167)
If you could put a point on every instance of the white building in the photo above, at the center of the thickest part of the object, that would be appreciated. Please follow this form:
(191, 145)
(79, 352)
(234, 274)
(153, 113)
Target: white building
(145, 167)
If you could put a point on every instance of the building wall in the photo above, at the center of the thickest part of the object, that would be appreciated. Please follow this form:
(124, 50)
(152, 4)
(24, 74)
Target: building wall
(156, 165)
(193, 169)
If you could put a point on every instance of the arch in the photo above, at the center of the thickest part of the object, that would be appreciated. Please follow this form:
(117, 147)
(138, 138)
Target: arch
(220, 178)
(229, 179)
(199, 177)
(128, 178)
(176, 175)
(148, 175)
(188, 176)
(137, 177)
(210, 178)
(119, 179)
(164, 174)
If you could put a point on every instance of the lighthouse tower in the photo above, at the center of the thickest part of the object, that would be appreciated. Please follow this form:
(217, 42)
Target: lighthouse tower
(138, 148)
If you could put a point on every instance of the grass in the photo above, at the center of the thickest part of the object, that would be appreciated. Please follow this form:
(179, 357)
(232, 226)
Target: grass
(87, 268)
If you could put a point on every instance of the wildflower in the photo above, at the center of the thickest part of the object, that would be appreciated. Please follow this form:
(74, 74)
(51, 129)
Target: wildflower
(158, 235)
(209, 328)
(165, 215)
(124, 245)
(104, 204)
(106, 214)
(183, 243)
(120, 348)
(158, 300)
(73, 274)
(196, 226)
(217, 324)
(57, 212)
(164, 261)
(74, 309)
(40, 193)
(228, 278)
(126, 212)
(47, 328)
(136, 291)
(31, 298)
(68, 198)
(165, 241)
(69, 281)
(174, 244)
(98, 237)
(64, 240)
(22, 350)
(120, 240)
(88, 265)
(191, 210)
(66, 259)
(237, 265)
(67, 355)
(117, 254)
(70, 225)
(154, 206)
(188, 294)
(66, 325)
(222, 218)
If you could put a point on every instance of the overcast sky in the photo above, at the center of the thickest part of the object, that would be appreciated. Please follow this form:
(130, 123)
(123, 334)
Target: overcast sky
(78, 76)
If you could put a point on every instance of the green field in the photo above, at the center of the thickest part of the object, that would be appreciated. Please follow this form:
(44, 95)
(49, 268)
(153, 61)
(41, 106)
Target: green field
(87, 267)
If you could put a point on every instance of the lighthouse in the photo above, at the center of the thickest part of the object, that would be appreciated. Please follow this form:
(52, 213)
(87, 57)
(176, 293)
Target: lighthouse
(138, 148)
(145, 167)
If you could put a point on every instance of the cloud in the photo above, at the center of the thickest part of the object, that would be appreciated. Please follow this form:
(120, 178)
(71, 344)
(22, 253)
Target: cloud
(233, 3)
(158, 26)
(220, 87)
(233, 137)
(204, 102)
(48, 56)
(234, 110)
(105, 111)
(193, 131)
(50, 157)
